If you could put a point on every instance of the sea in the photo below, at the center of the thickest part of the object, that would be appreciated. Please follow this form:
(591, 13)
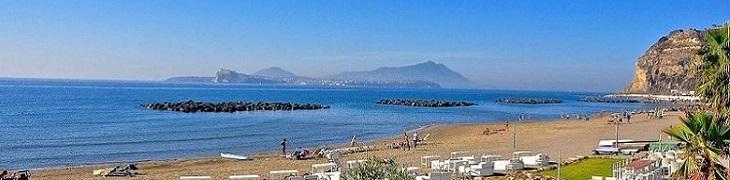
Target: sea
(57, 123)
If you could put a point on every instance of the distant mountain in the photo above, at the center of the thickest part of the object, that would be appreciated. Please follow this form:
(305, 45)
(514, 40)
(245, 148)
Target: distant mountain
(229, 76)
(275, 72)
(428, 72)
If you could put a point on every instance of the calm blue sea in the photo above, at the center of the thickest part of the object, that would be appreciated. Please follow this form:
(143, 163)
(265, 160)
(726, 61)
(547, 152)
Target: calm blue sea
(47, 123)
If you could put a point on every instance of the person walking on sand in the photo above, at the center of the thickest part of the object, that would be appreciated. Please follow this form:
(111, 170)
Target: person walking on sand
(283, 146)
(406, 141)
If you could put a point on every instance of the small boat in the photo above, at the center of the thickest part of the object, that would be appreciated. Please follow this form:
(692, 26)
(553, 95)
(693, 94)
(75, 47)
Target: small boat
(235, 156)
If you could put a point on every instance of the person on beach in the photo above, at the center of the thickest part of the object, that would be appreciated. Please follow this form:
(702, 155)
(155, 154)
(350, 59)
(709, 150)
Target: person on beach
(415, 139)
(353, 142)
(2, 176)
(406, 142)
(283, 147)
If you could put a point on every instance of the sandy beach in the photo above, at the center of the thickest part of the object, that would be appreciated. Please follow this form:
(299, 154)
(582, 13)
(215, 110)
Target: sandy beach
(570, 137)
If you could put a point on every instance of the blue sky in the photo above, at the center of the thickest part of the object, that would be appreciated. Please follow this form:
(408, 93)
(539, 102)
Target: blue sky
(545, 45)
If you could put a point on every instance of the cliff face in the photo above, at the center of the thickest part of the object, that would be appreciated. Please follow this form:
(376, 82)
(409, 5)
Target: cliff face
(669, 64)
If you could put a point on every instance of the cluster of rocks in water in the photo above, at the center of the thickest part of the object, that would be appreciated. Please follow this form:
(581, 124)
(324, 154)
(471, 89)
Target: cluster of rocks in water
(424, 103)
(529, 101)
(193, 106)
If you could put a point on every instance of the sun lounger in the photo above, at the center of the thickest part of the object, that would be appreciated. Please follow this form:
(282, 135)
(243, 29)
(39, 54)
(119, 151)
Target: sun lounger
(295, 178)
(596, 177)
(329, 175)
(244, 177)
(610, 178)
(458, 154)
(281, 174)
(482, 169)
(538, 160)
(194, 177)
(439, 175)
(326, 167)
(490, 158)
(236, 157)
(426, 160)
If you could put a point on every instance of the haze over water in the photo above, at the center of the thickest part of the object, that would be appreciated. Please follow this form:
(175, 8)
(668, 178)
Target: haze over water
(66, 122)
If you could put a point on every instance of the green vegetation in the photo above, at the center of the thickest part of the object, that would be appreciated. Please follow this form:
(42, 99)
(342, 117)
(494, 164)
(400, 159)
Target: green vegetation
(715, 69)
(376, 169)
(705, 138)
(585, 169)
(706, 135)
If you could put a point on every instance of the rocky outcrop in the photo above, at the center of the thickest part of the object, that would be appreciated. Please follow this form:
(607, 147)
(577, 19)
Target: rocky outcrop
(424, 103)
(192, 106)
(668, 66)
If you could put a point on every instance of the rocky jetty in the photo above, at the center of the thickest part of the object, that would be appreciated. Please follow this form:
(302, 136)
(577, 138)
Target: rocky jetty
(193, 106)
(529, 101)
(424, 103)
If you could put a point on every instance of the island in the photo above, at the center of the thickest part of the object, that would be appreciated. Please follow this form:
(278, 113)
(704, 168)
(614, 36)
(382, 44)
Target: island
(193, 106)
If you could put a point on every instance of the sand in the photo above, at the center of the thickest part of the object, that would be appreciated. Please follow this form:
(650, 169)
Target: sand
(569, 137)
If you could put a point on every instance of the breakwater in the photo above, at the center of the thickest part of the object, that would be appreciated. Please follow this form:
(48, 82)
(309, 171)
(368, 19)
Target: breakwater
(193, 106)
(529, 101)
(424, 103)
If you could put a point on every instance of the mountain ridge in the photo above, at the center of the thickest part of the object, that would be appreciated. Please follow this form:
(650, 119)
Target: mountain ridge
(426, 71)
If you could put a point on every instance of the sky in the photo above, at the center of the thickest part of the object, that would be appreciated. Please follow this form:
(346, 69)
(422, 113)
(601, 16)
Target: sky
(534, 45)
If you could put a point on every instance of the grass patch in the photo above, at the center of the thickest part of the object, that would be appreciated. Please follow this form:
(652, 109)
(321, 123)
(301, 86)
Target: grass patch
(585, 169)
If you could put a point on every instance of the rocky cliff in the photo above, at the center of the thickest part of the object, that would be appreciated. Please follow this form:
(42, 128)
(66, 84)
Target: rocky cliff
(668, 66)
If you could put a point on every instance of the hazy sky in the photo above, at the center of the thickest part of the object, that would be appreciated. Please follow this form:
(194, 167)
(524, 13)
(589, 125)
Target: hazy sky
(547, 45)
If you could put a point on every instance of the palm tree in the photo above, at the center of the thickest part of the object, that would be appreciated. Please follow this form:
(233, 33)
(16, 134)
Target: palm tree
(715, 69)
(705, 138)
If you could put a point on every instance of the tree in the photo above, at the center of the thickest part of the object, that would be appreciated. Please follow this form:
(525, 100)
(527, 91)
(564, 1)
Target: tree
(374, 169)
(714, 83)
(705, 138)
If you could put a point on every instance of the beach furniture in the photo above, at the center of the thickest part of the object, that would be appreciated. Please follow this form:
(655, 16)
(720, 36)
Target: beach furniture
(490, 158)
(440, 165)
(194, 177)
(458, 154)
(295, 178)
(596, 177)
(426, 160)
(482, 169)
(455, 164)
(328, 175)
(244, 177)
(282, 174)
(610, 178)
(440, 175)
(326, 167)
(538, 160)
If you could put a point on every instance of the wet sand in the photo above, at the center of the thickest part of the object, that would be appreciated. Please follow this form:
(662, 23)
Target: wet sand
(570, 137)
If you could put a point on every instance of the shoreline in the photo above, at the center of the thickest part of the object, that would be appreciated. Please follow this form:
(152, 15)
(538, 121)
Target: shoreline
(545, 136)
(275, 151)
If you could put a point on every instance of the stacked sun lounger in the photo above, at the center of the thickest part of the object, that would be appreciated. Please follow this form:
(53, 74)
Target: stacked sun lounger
(244, 177)
(195, 178)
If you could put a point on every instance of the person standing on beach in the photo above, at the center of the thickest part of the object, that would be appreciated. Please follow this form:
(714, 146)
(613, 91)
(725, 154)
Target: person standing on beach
(415, 139)
(283, 146)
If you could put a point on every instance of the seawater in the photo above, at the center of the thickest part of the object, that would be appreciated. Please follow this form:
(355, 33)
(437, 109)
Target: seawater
(49, 123)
